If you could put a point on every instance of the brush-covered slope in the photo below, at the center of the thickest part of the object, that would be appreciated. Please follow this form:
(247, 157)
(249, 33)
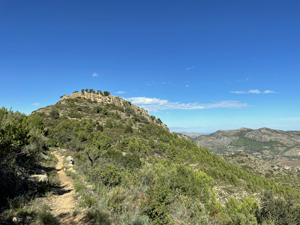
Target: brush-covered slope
(143, 174)
(266, 143)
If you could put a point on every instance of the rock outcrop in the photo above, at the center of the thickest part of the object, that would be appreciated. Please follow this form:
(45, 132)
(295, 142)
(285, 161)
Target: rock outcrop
(120, 102)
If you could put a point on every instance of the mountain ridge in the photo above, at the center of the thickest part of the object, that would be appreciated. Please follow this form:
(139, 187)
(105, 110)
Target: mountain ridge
(264, 142)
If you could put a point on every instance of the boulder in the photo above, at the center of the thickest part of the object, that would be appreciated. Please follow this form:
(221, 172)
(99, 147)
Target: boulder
(70, 160)
(44, 156)
(17, 220)
(39, 178)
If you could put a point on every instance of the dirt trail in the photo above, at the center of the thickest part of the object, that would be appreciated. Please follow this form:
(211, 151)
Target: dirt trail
(62, 202)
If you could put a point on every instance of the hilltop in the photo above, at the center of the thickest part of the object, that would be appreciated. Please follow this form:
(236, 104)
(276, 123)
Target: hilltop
(128, 168)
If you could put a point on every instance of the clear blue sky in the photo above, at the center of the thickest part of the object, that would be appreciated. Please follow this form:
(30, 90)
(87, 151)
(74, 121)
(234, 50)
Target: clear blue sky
(200, 66)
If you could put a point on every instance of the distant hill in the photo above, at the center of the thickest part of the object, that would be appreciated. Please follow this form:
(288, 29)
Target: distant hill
(265, 143)
(192, 134)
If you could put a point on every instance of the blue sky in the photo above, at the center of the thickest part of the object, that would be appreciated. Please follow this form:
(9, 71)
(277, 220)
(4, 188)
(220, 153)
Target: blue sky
(200, 66)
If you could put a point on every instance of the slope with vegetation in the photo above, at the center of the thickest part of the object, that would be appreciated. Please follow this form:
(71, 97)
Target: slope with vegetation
(268, 144)
(140, 173)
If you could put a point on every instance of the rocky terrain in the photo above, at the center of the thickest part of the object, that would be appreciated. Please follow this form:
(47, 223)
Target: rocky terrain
(264, 143)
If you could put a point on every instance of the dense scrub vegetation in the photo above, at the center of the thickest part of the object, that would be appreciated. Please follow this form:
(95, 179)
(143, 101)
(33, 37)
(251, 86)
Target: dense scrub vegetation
(143, 174)
(22, 144)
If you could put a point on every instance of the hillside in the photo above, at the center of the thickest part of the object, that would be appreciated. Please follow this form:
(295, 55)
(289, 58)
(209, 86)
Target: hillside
(264, 143)
(130, 169)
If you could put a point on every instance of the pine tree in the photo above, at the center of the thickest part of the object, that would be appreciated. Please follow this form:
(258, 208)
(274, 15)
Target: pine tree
(171, 154)
(144, 148)
(137, 145)
(131, 146)
(151, 142)
(108, 123)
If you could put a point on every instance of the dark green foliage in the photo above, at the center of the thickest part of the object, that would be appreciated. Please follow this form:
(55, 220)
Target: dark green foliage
(106, 93)
(141, 119)
(156, 204)
(99, 128)
(151, 142)
(43, 188)
(108, 123)
(21, 141)
(88, 127)
(97, 109)
(129, 111)
(131, 161)
(110, 175)
(51, 142)
(82, 136)
(278, 210)
(117, 116)
(195, 184)
(127, 129)
(74, 114)
(253, 145)
(104, 111)
(54, 114)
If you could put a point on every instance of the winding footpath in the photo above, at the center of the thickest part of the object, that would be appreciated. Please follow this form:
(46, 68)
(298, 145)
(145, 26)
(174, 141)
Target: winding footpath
(62, 201)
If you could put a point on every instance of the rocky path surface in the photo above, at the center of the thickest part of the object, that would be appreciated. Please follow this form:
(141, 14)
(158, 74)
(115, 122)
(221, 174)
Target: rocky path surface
(62, 201)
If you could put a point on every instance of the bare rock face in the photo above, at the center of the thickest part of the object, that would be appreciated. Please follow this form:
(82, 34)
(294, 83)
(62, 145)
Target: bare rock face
(120, 102)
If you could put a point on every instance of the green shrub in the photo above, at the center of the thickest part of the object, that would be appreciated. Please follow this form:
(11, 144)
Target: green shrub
(100, 216)
(100, 128)
(78, 186)
(51, 142)
(54, 114)
(97, 109)
(43, 188)
(127, 129)
(110, 175)
(45, 217)
(156, 204)
(87, 201)
(131, 161)
(129, 111)
(106, 93)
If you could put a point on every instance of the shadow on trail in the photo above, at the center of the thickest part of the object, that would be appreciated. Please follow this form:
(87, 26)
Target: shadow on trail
(60, 190)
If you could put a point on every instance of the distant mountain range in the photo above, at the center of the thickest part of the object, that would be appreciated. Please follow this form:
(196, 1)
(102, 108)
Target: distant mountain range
(192, 134)
(265, 143)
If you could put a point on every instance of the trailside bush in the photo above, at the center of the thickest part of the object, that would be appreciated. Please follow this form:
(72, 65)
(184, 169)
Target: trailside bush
(131, 161)
(110, 175)
(54, 114)
(156, 204)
